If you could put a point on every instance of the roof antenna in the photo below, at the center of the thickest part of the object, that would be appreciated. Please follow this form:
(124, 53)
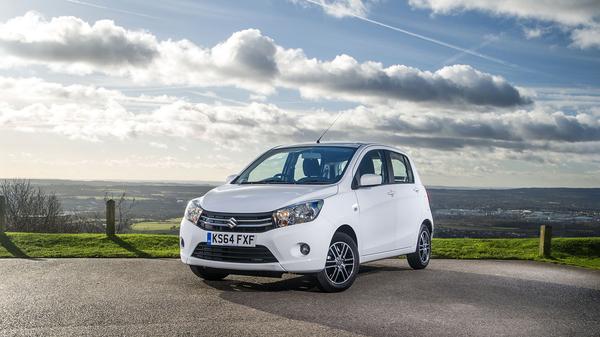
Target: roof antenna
(332, 123)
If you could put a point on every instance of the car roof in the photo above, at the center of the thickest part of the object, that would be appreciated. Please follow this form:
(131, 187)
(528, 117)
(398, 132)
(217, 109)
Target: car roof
(354, 145)
(341, 144)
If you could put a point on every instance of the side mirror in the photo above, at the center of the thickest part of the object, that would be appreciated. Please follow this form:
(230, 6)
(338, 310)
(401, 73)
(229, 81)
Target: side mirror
(370, 180)
(230, 178)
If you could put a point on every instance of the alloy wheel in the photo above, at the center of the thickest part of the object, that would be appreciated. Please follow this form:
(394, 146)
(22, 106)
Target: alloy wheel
(340, 262)
(424, 247)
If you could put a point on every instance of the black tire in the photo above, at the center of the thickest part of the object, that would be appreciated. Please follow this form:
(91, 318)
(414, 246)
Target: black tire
(209, 274)
(339, 272)
(420, 258)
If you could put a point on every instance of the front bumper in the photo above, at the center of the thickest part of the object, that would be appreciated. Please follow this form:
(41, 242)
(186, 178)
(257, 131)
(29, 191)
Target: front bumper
(284, 243)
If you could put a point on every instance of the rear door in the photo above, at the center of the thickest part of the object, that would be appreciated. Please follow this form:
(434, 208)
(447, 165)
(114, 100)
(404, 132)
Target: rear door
(407, 198)
(377, 208)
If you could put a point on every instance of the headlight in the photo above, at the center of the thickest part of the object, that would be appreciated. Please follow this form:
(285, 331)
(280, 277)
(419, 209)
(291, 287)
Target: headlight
(298, 213)
(193, 211)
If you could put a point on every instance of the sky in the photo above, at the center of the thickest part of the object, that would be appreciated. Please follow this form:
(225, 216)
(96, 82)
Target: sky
(480, 93)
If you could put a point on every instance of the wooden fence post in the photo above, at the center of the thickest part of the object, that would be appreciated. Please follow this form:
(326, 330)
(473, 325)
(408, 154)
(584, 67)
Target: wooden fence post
(545, 241)
(110, 217)
(2, 213)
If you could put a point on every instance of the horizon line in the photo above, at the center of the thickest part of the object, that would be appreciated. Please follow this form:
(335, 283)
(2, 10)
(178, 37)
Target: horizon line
(217, 183)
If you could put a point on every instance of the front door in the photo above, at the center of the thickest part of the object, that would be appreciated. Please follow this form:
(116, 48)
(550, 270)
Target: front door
(377, 213)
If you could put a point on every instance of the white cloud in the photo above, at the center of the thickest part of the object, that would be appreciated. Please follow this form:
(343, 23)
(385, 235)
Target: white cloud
(588, 37)
(518, 129)
(158, 145)
(21, 92)
(91, 113)
(347, 79)
(69, 39)
(484, 141)
(533, 33)
(102, 114)
(560, 11)
(247, 59)
(581, 16)
(341, 8)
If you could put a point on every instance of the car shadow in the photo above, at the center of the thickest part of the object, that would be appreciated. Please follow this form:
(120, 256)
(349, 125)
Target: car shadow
(299, 283)
(299, 298)
(13, 249)
(374, 269)
(127, 246)
(305, 283)
(388, 298)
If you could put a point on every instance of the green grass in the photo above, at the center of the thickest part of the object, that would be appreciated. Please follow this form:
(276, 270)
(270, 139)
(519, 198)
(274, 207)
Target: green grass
(583, 252)
(152, 226)
(35, 245)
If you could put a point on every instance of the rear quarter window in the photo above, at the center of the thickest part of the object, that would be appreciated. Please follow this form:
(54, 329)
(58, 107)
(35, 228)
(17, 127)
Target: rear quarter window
(401, 170)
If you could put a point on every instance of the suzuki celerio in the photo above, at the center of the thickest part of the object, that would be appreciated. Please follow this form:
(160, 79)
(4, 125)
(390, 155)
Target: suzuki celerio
(318, 209)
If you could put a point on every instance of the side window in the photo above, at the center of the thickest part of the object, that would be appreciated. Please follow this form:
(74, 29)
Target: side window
(401, 169)
(373, 163)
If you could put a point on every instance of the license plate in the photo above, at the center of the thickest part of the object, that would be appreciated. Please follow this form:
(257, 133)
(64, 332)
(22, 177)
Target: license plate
(231, 239)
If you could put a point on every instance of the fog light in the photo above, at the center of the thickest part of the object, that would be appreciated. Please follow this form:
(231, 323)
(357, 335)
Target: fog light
(182, 243)
(304, 249)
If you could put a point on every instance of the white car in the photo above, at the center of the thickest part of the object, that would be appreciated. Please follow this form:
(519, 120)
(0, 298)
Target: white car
(317, 209)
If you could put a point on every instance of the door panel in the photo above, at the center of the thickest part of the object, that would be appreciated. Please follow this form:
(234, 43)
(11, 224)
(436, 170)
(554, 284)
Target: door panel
(377, 213)
(407, 198)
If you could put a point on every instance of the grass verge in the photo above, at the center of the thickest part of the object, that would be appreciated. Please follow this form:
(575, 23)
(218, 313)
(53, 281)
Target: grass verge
(583, 252)
(36, 245)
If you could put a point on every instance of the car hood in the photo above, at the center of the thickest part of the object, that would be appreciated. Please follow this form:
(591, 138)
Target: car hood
(232, 198)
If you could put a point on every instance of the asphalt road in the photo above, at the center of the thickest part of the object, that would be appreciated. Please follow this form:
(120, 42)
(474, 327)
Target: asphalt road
(143, 297)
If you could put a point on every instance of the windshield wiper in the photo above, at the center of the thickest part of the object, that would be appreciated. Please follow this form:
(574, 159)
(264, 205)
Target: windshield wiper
(313, 181)
(265, 182)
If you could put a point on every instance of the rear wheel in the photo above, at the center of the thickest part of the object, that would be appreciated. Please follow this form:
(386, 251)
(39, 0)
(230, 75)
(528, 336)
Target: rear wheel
(341, 265)
(209, 274)
(420, 258)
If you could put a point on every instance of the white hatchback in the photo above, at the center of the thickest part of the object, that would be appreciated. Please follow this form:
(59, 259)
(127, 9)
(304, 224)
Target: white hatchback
(317, 209)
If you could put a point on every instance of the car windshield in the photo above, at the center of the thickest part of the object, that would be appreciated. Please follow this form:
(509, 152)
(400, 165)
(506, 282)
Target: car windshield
(299, 165)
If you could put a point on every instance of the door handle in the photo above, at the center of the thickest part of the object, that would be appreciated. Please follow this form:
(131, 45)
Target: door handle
(416, 190)
(391, 193)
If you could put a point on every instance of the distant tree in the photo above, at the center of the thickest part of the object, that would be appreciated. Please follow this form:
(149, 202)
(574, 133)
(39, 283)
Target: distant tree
(30, 209)
(86, 223)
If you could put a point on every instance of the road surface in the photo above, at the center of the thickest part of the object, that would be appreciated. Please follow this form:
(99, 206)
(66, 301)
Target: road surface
(161, 297)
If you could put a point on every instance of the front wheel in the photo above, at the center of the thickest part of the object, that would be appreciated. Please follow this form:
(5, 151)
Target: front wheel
(341, 265)
(209, 274)
(420, 258)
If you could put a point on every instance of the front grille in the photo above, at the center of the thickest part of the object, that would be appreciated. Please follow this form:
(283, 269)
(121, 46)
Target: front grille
(246, 222)
(258, 254)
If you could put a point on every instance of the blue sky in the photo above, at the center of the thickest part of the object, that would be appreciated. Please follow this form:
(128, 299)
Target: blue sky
(523, 112)
(546, 61)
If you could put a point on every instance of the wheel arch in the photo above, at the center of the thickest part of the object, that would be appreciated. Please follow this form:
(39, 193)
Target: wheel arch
(429, 225)
(346, 229)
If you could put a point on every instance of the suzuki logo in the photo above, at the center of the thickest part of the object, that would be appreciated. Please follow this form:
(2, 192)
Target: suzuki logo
(232, 222)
